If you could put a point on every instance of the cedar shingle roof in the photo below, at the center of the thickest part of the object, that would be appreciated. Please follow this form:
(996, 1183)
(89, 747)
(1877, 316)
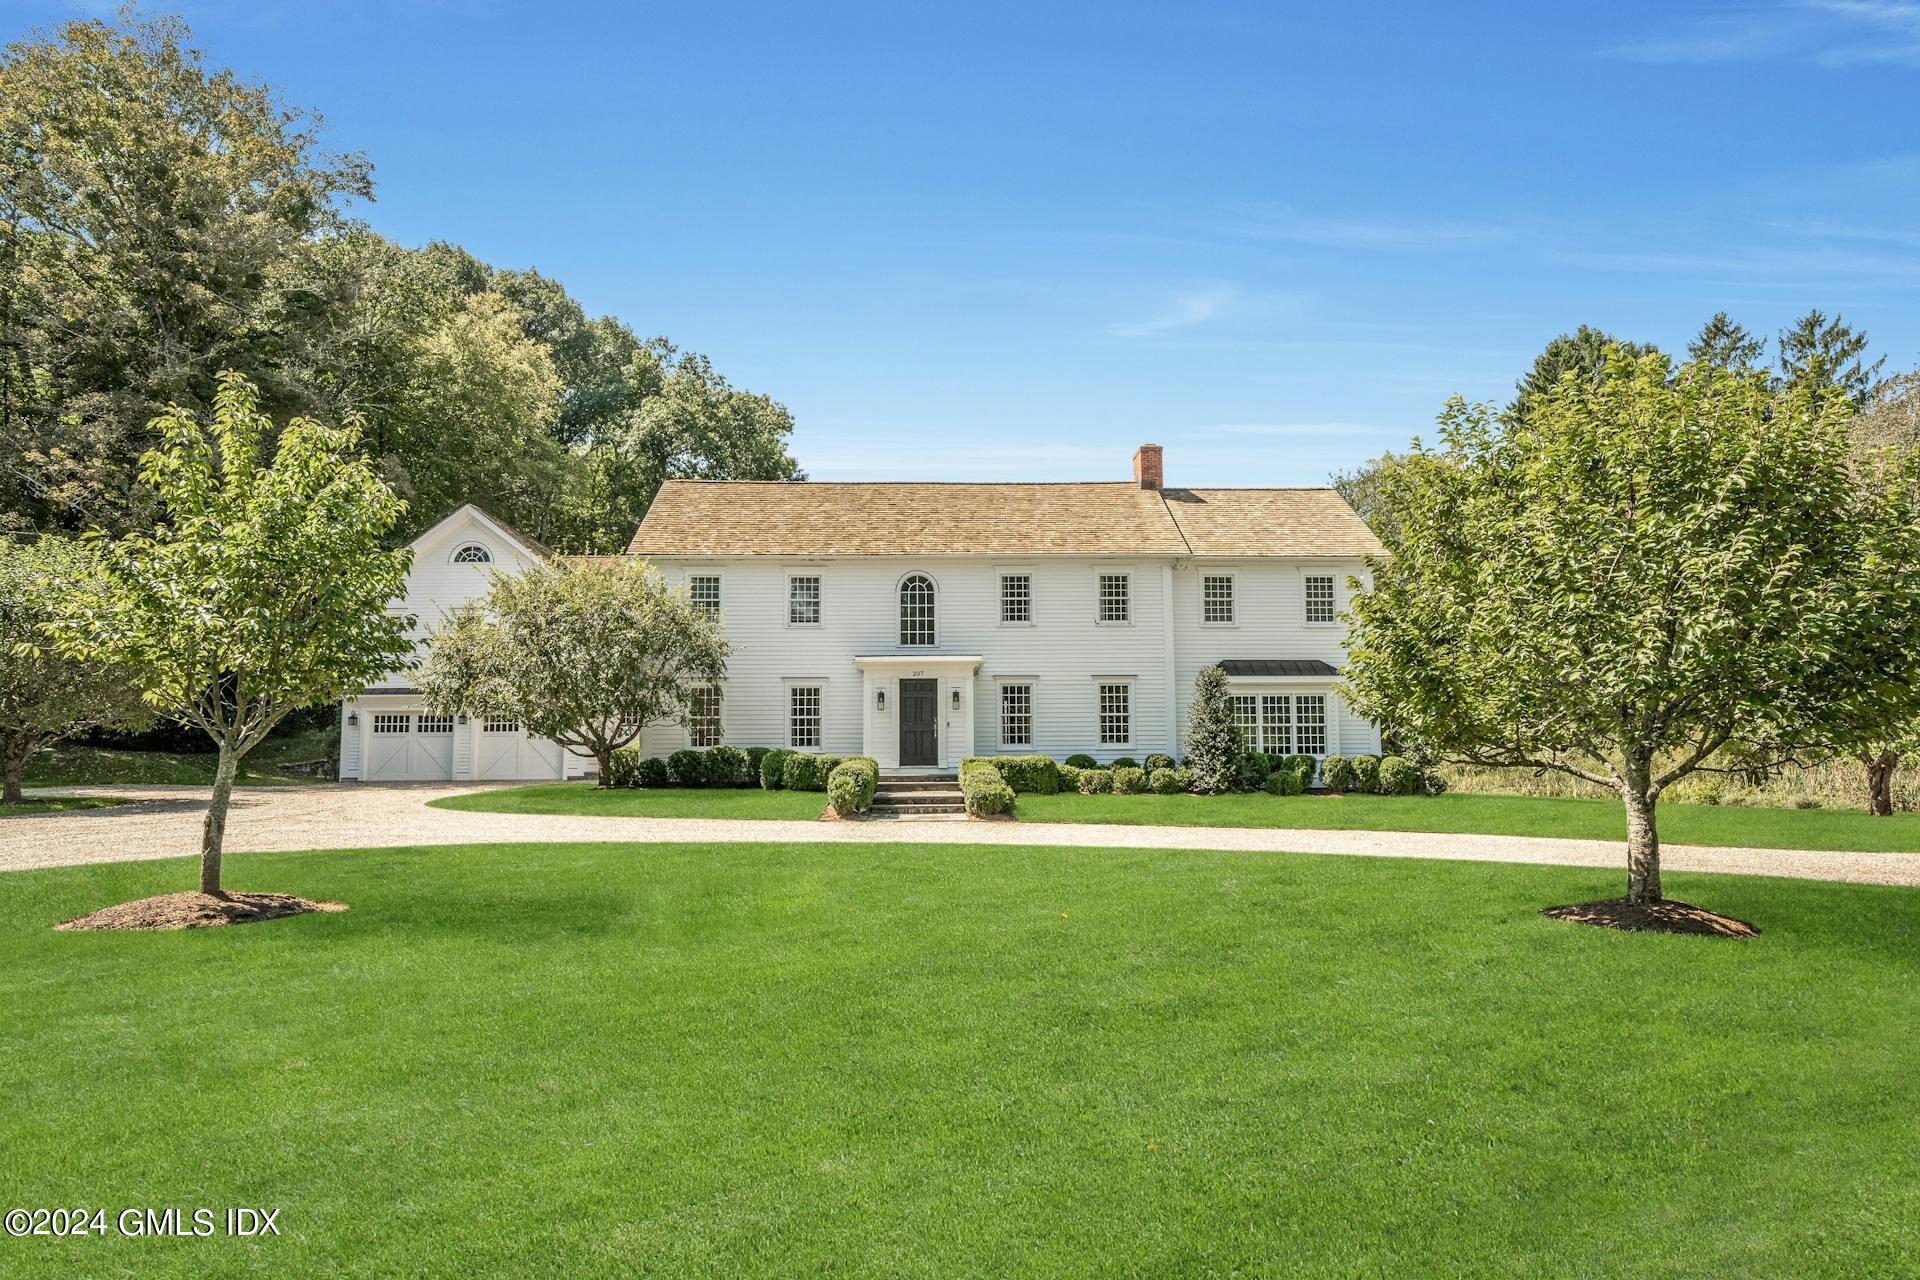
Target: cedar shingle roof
(828, 518)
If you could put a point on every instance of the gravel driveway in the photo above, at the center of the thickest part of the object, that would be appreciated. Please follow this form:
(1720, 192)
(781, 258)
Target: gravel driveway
(164, 822)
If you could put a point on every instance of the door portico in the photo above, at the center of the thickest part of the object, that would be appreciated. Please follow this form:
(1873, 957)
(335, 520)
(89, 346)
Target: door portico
(918, 708)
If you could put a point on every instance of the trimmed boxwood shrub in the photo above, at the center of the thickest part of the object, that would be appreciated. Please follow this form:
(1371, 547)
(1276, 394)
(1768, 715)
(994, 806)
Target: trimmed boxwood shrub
(1129, 780)
(1035, 775)
(1069, 775)
(1399, 777)
(1306, 765)
(1286, 781)
(1096, 782)
(726, 767)
(1164, 781)
(1081, 760)
(1366, 772)
(652, 773)
(1158, 760)
(1124, 762)
(755, 756)
(773, 768)
(1336, 773)
(1249, 771)
(984, 790)
(851, 784)
(800, 771)
(687, 768)
(623, 768)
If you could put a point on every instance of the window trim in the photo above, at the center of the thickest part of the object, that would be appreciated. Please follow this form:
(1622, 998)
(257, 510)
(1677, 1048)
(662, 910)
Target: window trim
(1333, 577)
(794, 684)
(1099, 598)
(899, 609)
(1000, 581)
(1100, 685)
(819, 599)
(1233, 599)
(1001, 685)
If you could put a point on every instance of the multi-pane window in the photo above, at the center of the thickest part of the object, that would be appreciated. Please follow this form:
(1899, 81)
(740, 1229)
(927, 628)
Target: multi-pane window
(1276, 724)
(429, 723)
(1016, 715)
(1246, 718)
(502, 724)
(916, 609)
(389, 722)
(1311, 714)
(1016, 597)
(704, 591)
(1319, 597)
(1216, 598)
(703, 717)
(473, 553)
(803, 600)
(1116, 716)
(803, 716)
(1113, 597)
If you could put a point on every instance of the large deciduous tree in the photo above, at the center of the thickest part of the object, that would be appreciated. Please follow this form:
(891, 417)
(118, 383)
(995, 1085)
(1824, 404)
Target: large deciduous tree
(264, 588)
(585, 651)
(148, 206)
(47, 695)
(1640, 576)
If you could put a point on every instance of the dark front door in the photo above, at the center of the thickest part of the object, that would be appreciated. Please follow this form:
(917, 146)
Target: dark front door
(919, 706)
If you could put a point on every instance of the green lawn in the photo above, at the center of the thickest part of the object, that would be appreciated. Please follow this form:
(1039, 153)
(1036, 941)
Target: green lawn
(666, 802)
(889, 1060)
(1494, 815)
(68, 765)
(54, 804)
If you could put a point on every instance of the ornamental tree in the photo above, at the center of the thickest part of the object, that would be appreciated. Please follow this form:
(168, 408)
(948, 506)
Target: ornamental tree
(586, 651)
(47, 695)
(1645, 574)
(1213, 740)
(264, 588)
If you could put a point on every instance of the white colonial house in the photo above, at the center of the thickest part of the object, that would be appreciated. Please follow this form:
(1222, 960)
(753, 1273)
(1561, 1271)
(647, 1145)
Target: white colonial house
(922, 623)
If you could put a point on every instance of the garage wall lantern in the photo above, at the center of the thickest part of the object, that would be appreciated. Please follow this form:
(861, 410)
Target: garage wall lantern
(956, 698)
(353, 719)
(879, 699)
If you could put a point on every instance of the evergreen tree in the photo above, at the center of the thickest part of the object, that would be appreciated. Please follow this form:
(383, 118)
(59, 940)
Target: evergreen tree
(1582, 352)
(1213, 743)
(1723, 344)
(1827, 354)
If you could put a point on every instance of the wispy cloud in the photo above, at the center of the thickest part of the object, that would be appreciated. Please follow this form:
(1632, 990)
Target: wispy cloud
(1292, 227)
(1298, 430)
(1183, 311)
(1827, 33)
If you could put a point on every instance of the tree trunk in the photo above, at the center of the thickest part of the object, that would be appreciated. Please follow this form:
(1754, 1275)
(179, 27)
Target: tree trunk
(603, 760)
(1880, 768)
(213, 837)
(1643, 837)
(10, 789)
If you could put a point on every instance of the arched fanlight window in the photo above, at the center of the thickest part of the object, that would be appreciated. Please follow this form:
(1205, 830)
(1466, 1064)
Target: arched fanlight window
(473, 553)
(916, 609)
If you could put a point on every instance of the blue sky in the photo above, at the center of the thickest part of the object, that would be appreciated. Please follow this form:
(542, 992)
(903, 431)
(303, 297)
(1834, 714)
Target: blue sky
(1010, 242)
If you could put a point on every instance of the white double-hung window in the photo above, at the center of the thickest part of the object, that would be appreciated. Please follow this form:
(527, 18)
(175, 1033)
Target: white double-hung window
(1216, 599)
(1282, 724)
(1016, 715)
(803, 600)
(1115, 604)
(1016, 598)
(703, 717)
(1116, 715)
(704, 590)
(803, 715)
(1319, 597)
(916, 610)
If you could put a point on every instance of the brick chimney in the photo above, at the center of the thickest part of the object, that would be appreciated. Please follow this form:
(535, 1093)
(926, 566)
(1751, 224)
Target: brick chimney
(1146, 466)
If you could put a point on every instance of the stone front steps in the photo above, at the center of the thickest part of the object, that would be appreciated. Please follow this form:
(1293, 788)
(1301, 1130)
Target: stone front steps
(918, 795)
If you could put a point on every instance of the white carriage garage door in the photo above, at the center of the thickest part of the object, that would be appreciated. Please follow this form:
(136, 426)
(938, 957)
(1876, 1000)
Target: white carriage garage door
(503, 750)
(409, 746)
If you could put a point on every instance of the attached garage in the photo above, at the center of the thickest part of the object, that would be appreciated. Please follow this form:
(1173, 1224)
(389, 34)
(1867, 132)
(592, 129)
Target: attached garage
(388, 736)
(408, 746)
(503, 750)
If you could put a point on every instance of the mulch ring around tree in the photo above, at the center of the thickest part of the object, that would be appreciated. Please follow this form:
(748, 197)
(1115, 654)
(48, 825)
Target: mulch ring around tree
(198, 911)
(1664, 916)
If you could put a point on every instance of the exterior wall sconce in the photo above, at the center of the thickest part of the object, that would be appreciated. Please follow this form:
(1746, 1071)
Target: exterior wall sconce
(353, 719)
(956, 698)
(462, 719)
(879, 699)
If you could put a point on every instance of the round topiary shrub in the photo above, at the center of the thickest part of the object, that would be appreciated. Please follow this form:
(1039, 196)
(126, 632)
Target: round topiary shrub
(851, 785)
(1129, 780)
(1285, 781)
(1069, 775)
(726, 767)
(687, 768)
(773, 769)
(1164, 781)
(1124, 762)
(1095, 782)
(1366, 772)
(1081, 760)
(1158, 760)
(652, 772)
(1336, 773)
